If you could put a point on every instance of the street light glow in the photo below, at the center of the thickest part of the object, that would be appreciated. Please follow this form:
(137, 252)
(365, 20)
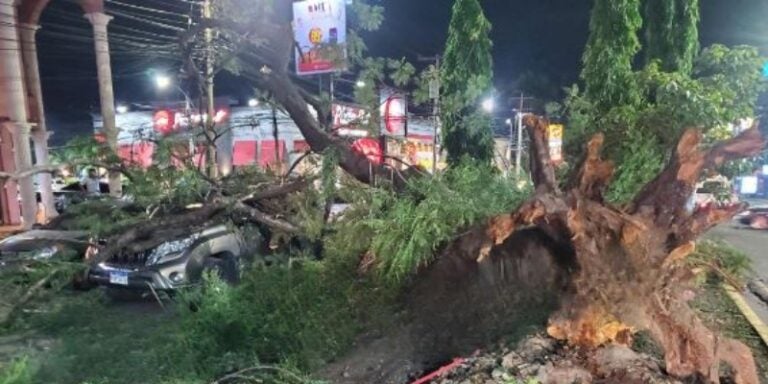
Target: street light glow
(162, 81)
(489, 104)
(360, 84)
(253, 103)
(509, 121)
(122, 108)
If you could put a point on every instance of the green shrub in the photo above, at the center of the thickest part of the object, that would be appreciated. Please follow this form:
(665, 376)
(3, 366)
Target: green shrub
(301, 314)
(17, 372)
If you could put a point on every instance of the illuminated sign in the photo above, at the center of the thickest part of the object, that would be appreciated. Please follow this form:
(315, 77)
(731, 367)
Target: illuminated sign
(163, 122)
(393, 113)
(320, 32)
(555, 137)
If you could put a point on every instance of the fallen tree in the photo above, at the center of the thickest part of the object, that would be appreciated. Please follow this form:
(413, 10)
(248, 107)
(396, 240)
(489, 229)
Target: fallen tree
(611, 272)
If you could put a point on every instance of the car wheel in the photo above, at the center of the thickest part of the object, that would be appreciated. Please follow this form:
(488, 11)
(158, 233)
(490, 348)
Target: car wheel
(80, 282)
(226, 267)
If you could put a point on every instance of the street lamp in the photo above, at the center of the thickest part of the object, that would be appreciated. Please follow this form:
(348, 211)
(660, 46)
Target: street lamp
(360, 84)
(488, 105)
(122, 108)
(162, 81)
(253, 103)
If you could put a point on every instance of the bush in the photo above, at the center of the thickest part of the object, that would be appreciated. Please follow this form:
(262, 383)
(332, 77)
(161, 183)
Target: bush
(301, 314)
(17, 372)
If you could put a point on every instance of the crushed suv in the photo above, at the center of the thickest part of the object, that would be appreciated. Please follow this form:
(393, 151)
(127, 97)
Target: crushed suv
(220, 249)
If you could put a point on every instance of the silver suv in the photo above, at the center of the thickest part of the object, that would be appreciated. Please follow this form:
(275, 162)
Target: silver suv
(220, 249)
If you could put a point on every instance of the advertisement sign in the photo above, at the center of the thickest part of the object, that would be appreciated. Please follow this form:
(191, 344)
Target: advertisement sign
(347, 116)
(370, 148)
(320, 32)
(555, 136)
(393, 113)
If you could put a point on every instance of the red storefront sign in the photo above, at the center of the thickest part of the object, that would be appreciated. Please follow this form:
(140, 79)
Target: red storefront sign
(370, 148)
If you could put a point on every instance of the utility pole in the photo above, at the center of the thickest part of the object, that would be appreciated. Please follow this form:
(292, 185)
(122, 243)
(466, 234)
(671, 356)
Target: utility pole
(519, 149)
(209, 74)
(276, 136)
(434, 94)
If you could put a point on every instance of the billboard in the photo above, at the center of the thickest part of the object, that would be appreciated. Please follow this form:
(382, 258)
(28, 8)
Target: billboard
(320, 32)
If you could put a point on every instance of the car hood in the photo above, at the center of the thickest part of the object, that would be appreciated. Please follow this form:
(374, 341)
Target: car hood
(45, 235)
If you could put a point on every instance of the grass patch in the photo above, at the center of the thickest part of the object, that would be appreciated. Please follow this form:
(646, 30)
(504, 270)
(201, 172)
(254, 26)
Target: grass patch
(722, 315)
(99, 342)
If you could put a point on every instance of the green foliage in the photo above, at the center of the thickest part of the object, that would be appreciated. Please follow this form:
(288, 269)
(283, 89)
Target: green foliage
(409, 231)
(611, 48)
(367, 17)
(99, 217)
(723, 88)
(300, 313)
(466, 78)
(106, 344)
(721, 260)
(17, 372)
(671, 33)
(641, 163)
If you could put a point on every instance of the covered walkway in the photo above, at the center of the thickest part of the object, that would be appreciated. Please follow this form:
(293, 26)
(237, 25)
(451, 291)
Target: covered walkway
(22, 119)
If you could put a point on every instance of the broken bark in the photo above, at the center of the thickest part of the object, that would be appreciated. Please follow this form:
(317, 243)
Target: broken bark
(631, 274)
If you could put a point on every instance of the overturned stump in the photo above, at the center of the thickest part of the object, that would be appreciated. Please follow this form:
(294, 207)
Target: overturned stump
(606, 272)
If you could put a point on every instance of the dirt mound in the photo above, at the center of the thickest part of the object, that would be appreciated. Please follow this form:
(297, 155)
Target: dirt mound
(461, 304)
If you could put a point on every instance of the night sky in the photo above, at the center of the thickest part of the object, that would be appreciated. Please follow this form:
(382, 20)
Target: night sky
(543, 38)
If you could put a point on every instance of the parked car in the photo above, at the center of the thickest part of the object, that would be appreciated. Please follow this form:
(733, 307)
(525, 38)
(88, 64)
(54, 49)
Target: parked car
(19, 251)
(73, 194)
(220, 249)
(43, 245)
(714, 193)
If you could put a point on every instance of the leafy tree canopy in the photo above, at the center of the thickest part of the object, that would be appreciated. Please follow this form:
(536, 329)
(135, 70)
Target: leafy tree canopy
(465, 79)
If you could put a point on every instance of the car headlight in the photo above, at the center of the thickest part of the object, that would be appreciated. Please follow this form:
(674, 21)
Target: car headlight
(169, 251)
(45, 253)
(161, 259)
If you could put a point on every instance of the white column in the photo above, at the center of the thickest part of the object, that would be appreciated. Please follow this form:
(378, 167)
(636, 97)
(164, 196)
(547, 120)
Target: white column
(40, 134)
(13, 106)
(100, 20)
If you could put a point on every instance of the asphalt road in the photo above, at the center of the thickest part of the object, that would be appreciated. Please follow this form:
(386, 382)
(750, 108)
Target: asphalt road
(754, 243)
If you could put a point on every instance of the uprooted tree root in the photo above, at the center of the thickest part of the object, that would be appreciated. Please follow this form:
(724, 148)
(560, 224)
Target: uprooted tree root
(613, 271)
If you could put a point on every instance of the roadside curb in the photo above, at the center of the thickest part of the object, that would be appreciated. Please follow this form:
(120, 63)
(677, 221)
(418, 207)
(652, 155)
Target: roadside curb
(760, 327)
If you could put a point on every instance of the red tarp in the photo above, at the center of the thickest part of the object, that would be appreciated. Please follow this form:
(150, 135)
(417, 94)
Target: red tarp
(267, 153)
(244, 153)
